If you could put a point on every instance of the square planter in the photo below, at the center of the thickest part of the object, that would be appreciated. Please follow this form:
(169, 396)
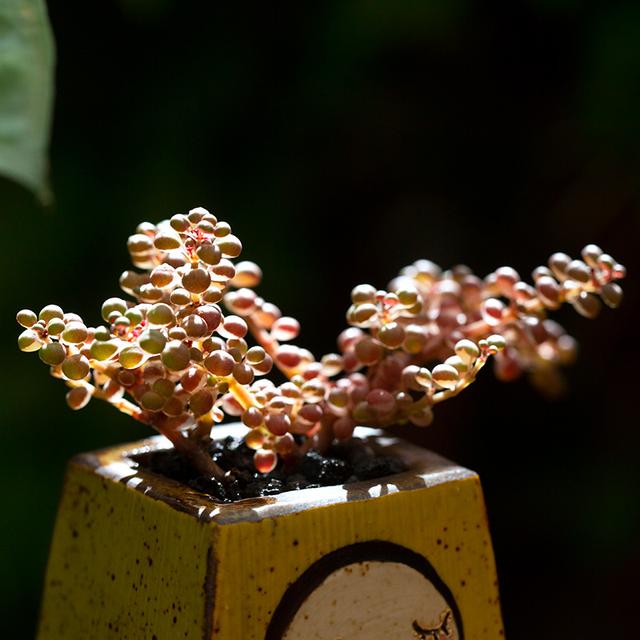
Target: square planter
(136, 555)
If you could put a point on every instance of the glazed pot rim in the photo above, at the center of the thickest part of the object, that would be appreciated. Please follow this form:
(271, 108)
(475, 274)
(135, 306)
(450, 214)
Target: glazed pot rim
(424, 469)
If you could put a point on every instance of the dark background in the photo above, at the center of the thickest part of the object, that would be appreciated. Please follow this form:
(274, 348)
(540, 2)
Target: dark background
(343, 140)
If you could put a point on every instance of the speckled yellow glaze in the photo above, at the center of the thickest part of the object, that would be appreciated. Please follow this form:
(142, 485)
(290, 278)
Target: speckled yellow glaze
(137, 556)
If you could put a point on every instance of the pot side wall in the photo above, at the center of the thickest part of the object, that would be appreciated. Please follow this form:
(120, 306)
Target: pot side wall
(129, 564)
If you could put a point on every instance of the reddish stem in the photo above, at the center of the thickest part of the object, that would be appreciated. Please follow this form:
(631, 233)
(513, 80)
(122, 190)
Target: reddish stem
(193, 450)
(269, 344)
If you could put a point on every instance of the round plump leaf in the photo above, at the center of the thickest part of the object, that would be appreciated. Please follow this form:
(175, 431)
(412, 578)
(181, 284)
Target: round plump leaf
(278, 423)
(211, 315)
(331, 364)
(102, 333)
(149, 293)
(192, 379)
(288, 356)
(391, 335)
(139, 243)
(55, 326)
(467, 350)
(121, 322)
(49, 312)
(196, 214)
(131, 357)
(363, 293)
(174, 407)
(166, 241)
(180, 297)
(548, 291)
(422, 418)
(445, 376)
(248, 274)
(230, 246)
(579, 271)
(134, 315)
(558, 264)
(161, 314)
(459, 364)
(264, 367)
(164, 387)
(212, 295)
(162, 275)
(408, 378)
(206, 227)
(256, 437)
(75, 333)
(363, 413)
(152, 341)
(506, 279)
(201, 402)
(285, 444)
(492, 311)
(255, 355)
(26, 318)
(362, 314)
(233, 327)
(252, 418)
(591, 253)
(539, 272)
(212, 344)
(196, 280)
(243, 301)
(76, 367)
(407, 296)
(177, 333)
(195, 326)
(78, 397)
(381, 400)
(127, 378)
(496, 341)
(29, 341)
(53, 354)
(220, 363)
(179, 222)
(224, 270)
(343, 428)
(368, 351)
(243, 373)
(611, 294)
(209, 253)
(415, 338)
(423, 377)
(587, 304)
(103, 349)
(152, 401)
(285, 328)
(176, 356)
(129, 280)
(111, 305)
(222, 229)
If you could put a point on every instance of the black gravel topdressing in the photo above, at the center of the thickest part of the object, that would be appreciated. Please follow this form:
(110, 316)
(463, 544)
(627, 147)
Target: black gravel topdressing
(352, 461)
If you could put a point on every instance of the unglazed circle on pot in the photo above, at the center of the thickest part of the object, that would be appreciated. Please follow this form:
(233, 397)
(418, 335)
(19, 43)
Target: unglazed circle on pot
(374, 600)
(374, 590)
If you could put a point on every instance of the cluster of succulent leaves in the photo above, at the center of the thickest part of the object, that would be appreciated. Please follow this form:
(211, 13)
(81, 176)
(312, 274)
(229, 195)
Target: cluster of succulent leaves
(179, 358)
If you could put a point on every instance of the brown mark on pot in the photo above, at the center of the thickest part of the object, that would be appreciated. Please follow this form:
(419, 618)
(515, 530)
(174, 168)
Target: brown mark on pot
(209, 594)
(291, 617)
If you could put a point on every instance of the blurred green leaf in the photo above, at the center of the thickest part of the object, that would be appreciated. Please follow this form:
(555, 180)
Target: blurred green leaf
(26, 92)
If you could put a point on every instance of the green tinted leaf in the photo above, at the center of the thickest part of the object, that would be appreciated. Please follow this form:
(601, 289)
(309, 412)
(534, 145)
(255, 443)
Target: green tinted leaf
(26, 92)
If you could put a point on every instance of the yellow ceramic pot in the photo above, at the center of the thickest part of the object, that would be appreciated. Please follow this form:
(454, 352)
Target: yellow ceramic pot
(138, 556)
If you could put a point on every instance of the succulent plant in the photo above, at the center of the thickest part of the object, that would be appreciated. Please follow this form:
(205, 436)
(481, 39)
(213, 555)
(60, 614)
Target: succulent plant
(173, 359)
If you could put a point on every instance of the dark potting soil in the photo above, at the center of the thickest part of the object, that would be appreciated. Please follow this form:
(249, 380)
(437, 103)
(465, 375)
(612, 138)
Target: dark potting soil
(343, 463)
